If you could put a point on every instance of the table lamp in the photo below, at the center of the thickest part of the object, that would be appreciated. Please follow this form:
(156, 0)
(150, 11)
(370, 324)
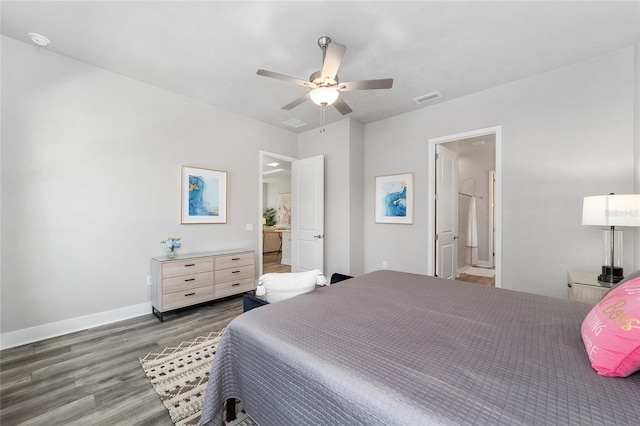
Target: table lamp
(611, 210)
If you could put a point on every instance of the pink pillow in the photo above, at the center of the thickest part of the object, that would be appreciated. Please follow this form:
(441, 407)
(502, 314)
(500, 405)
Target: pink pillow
(611, 331)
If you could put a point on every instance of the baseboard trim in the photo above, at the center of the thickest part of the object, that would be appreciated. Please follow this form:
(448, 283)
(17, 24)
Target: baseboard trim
(59, 328)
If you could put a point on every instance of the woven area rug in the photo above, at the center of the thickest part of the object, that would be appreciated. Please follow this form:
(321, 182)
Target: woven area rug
(180, 374)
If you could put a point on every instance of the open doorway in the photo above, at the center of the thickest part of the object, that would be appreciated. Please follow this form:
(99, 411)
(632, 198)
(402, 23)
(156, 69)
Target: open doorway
(464, 206)
(476, 168)
(275, 211)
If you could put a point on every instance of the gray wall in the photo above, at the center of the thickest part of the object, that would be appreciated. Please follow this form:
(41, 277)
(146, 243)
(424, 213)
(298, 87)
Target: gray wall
(558, 130)
(90, 183)
(355, 199)
(341, 144)
(637, 145)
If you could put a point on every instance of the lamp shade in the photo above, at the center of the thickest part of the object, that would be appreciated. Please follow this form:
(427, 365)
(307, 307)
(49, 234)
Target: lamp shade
(324, 95)
(611, 210)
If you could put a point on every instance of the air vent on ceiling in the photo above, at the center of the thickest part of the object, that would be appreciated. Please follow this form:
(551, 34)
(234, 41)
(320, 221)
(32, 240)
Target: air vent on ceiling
(428, 97)
(294, 122)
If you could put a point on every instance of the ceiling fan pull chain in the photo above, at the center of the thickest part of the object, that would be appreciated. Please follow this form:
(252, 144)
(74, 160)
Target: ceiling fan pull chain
(322, 118)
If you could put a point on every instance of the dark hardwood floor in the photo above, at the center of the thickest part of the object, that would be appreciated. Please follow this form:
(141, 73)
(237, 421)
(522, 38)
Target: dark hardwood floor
(94, 377)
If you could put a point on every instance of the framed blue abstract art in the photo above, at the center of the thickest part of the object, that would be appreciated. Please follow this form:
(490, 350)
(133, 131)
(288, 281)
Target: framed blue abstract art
(203, 195)
(394, 199)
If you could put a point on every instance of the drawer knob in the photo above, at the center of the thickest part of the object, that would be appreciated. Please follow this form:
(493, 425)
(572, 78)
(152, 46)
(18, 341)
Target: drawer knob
(236, 284)
(190, 264)
(236, 258)
(190, 279)
(189, 294)
(235, 272)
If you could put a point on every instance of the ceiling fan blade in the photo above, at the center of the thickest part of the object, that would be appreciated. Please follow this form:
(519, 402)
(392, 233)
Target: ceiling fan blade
(385, 83)
(342, 106)
(295, 103)
(332, 60)
(283, 77)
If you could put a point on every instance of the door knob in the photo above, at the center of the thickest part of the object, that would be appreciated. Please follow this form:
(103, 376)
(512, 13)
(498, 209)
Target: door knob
(317, 236)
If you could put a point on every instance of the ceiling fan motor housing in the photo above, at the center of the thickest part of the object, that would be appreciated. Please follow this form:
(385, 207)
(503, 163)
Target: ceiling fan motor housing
(316, 78)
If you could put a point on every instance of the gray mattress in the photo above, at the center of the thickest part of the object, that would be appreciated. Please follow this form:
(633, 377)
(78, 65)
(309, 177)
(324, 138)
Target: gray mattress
(392, 348)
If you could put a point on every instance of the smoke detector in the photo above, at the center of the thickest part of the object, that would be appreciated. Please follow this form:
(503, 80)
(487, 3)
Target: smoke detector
(40, 40)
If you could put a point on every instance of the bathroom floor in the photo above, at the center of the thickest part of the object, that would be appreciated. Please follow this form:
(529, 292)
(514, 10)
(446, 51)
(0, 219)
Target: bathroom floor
(474, 274)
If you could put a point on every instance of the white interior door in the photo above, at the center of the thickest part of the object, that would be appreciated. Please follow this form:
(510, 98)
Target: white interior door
(446, 213)
(307, 214)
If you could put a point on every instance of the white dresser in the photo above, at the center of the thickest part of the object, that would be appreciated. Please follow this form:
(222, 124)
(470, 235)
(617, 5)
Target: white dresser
(195, 278)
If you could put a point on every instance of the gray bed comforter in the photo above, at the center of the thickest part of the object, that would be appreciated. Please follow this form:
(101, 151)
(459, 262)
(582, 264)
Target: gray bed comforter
(392, 348)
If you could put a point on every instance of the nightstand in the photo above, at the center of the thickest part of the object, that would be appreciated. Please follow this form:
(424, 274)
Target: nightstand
(585, 287)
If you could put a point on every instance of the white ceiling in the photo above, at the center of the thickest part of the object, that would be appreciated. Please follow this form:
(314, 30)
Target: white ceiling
(210, 51)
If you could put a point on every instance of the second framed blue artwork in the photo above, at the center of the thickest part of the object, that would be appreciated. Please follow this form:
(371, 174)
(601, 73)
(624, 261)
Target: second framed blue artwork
(394, 199)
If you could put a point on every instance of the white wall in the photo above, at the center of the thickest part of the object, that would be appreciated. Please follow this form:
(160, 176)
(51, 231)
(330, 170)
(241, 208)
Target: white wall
(559, 130)
(90, 184)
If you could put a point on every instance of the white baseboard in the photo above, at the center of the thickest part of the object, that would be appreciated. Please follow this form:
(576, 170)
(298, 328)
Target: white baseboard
(54, 329)
(285, 262)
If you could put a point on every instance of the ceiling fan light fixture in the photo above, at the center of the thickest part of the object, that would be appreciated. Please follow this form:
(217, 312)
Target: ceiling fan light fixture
(324, 95)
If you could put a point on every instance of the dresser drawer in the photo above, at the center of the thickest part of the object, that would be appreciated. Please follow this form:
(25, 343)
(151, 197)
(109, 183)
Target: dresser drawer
(189, 297)
(187, 267)
(238, 273)
(234, 287)
(185, 282)
(232, 261)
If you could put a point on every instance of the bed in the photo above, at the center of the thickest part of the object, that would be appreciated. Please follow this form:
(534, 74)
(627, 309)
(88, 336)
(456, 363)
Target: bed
(393, 348)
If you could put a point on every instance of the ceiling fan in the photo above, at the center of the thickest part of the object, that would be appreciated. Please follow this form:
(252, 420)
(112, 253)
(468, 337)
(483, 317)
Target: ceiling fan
(324, 84)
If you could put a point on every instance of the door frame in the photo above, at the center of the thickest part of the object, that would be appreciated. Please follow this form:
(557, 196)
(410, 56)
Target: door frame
(492, 208)
(261, 155)
(431, 190)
